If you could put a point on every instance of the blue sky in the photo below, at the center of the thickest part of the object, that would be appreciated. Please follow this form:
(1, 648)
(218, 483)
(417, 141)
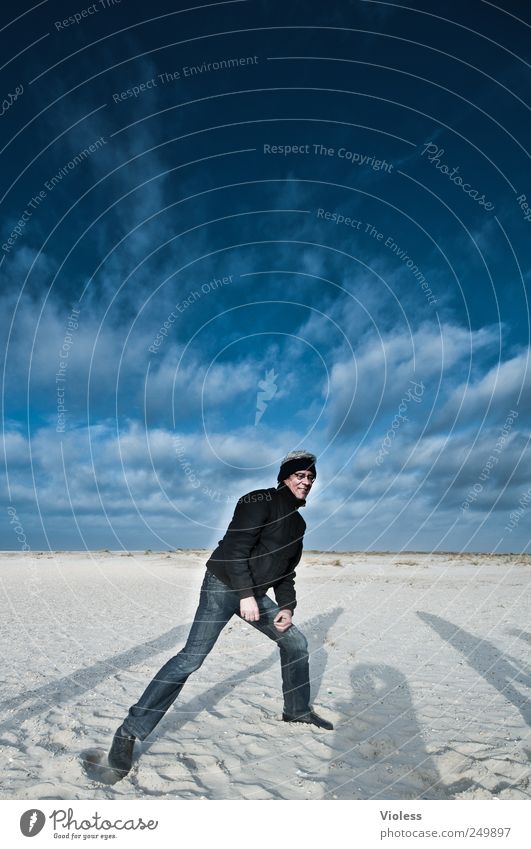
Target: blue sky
(319, 211)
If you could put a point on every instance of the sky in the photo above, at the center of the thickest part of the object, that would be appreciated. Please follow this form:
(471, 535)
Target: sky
(234, 229)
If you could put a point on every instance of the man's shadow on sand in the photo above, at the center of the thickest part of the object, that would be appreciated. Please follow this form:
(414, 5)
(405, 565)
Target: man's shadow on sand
(522, 635)
(380, 751)
(500, 670)
(69, 687)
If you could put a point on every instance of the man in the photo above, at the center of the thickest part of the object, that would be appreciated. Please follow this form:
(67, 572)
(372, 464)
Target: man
(260, 549)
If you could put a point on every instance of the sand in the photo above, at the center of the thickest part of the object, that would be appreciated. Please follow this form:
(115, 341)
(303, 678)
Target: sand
(421, 661)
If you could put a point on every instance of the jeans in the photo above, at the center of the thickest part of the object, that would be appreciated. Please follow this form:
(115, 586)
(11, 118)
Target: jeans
(217, 604)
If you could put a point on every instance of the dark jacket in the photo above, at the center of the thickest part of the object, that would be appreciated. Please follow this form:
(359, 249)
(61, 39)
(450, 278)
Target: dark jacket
(262, 545)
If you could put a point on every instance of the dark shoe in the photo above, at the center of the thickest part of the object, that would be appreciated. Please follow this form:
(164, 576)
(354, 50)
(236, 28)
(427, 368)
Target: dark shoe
(310, 718)
(121, 753)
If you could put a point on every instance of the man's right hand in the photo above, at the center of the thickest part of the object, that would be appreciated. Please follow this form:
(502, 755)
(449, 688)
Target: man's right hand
(249, 609)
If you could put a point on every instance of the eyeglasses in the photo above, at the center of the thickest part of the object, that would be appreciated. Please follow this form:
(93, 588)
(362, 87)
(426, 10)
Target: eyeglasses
(304, 475)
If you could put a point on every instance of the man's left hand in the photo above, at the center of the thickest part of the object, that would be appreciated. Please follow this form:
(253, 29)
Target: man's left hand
(282, 620)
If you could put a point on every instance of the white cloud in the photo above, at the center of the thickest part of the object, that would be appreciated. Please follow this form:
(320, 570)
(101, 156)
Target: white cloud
(373, 382)
(505, 386)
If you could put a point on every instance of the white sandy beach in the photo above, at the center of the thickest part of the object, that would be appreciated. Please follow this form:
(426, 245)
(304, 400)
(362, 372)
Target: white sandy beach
(421, 661)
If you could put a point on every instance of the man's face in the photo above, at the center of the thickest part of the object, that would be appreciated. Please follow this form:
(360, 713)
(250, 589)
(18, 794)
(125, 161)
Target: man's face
(300, 483)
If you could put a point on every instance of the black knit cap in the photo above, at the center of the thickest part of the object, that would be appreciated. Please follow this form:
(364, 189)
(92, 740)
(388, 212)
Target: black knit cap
(297, 461)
